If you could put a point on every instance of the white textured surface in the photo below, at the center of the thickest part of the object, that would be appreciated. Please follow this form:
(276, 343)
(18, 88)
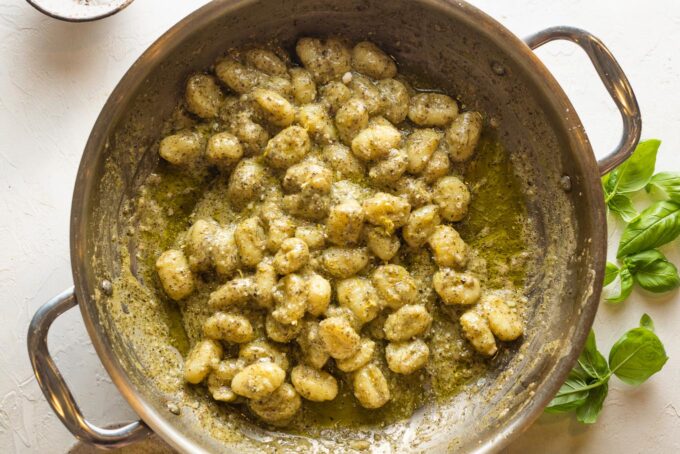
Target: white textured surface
(55, 77)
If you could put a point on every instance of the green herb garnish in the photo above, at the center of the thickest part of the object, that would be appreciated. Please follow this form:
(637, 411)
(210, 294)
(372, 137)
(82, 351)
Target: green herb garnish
(635, 357)
(658, 224)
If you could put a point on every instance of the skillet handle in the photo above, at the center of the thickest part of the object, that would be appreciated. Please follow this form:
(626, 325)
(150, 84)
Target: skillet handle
(614, 80)
(55, 389)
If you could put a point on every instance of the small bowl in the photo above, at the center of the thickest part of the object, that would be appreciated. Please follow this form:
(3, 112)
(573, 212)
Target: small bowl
(79, 10)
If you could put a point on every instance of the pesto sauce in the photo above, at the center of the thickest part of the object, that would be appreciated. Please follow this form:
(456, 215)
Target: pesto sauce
(497, 217)
(494, 228)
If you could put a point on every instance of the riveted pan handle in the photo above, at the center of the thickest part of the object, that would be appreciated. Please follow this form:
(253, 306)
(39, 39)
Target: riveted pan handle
(55, 389)
(613, 79)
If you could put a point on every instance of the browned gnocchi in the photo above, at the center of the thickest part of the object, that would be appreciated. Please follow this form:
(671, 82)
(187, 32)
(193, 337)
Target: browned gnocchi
(327, 242)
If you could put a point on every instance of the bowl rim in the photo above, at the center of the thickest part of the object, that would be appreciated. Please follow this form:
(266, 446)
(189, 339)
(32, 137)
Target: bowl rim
(164, 46)
(98, 11)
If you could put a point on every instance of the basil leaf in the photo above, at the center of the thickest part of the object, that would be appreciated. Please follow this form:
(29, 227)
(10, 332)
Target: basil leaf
(646, 322)
(636, 171)
(658, 277)
(641, 259)
(571, 394)
(626, 286)
(591, 360)
(610, 273)
(667, 182)
(591, 408)
(621, 205)
(657, 225)
(636, 356)
(605, 183)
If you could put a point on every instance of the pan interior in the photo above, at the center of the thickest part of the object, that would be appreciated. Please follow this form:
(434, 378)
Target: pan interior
(455, 48)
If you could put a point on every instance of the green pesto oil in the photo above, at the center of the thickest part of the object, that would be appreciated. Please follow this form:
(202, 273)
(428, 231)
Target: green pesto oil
(497, 219)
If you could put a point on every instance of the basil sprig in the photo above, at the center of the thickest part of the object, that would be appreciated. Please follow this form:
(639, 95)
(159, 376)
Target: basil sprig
(639, 353)
(658, 224)
(631, 176)
(667, 183)
(635, 357)
(649, 269)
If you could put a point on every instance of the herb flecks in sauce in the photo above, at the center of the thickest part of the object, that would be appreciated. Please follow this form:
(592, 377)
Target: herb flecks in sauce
(494, 228)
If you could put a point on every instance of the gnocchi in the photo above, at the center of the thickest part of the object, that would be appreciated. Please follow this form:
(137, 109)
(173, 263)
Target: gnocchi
(319, 294)
(175, 274)
(313, 384)
(382, 244)
(198, 245)
(235, 292)
(407, 357)
(395, 99)
(181, 149)
(260, 350)
(477, 331)
(415, 190)
(375, 142)
(369, 59)
(453, 198)
(395, 285)
(407, 322)
(504, 323)
(359, 359)
(304, 88)
(276, 109)
(448, 247)
(339, 339)
(203, 96)
(228, 327)
(258, 380)
(370, 387)
(279, 332)
(280, 229)
(220, 390)
(291, 299)
(313, 235)
(245, 183)
(278, 407)
(292, 255)
(345, 222)
(463, 135)
(238, 77)
(287, 147)
(359, 295)
(389, 169)
(266, 61)
(456, 288)
(311, 345)
(223, 150)
(264, 282)
(315, 119)
(205, 355)
(420, 146)
(324, 59)
(323, 206)
(250, 241)
(334, 94)
(432, 109)
(342, 161)
(421, 227)
(351, 118)
(387, 211)
(344, 262)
